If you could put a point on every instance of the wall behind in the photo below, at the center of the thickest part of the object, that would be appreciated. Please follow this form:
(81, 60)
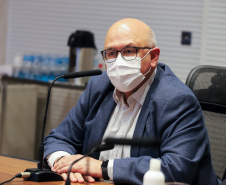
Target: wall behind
(3, 29)
(44, 26)
(213, 50)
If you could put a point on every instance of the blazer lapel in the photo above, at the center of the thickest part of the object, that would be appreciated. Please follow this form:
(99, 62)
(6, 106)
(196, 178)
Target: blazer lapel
(146, 111)
(101, 121)
(105, 113)
(139, 129)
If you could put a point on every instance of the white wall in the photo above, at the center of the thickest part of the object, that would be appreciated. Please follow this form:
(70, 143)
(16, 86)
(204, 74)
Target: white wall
(3, 29)
(45, 25)
(213, 50)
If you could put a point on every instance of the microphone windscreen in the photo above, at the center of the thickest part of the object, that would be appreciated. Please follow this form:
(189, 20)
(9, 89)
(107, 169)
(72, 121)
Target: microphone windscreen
(134, 142)
(104, 147)
(82, 74)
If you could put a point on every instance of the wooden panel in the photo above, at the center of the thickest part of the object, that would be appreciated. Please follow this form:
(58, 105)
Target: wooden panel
(22, 112)
(19, 124)
(61, 101)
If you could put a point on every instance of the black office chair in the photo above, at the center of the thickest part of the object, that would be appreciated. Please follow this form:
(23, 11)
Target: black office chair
(209, 85)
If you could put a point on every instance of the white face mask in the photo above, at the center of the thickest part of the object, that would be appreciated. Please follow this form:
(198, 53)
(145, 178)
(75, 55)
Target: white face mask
(125, 75)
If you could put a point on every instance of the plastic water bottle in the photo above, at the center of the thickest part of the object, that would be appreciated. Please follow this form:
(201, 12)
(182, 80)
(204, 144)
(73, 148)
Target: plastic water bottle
(36, 67)
(64, 67)
(98, 63)
(17, 66)
(59, 66)
(154, 176)
(26, 67)
(45, 69)
(54, 71)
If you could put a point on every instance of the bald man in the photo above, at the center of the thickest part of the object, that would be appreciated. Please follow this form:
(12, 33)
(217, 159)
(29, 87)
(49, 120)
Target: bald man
(136, 97)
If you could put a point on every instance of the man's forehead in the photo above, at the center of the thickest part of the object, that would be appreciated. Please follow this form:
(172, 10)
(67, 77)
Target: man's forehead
(120, 45)
(122, 40)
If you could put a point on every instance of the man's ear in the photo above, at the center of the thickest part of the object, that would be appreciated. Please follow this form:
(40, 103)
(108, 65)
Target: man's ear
(155, 52)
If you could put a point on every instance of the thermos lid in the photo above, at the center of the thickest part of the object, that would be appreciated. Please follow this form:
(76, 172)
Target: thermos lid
(81, 39)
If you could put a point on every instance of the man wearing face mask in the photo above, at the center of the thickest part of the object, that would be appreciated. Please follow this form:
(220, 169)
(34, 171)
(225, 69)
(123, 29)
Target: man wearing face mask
(136, 98)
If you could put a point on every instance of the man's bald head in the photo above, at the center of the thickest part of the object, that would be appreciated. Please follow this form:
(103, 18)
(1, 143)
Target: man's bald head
(131, 28)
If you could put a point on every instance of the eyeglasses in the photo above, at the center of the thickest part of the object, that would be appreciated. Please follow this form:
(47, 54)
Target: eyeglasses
(128, 53)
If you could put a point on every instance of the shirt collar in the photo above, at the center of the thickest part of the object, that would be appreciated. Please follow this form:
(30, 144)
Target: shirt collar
(139, 96)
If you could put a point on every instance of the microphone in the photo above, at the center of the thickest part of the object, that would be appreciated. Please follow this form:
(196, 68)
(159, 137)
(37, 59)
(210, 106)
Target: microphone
(82, 74)
(98, 148)
(102, 147)
(39, 174)
(152, 142)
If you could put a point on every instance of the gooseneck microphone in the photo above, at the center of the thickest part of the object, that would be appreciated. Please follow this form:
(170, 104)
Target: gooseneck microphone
(39, 174)
(98, 148)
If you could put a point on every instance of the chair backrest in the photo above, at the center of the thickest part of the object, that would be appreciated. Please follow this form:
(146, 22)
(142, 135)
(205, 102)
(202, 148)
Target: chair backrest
(209, 85)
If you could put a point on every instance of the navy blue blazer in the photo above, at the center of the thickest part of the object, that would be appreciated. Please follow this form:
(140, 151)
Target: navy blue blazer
(170, 112)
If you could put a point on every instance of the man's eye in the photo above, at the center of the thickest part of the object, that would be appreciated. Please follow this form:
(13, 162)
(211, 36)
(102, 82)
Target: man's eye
(110, 54)
(128, 51)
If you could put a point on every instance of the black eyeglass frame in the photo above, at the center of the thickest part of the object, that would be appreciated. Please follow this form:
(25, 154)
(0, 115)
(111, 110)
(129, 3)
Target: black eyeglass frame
(105, 59)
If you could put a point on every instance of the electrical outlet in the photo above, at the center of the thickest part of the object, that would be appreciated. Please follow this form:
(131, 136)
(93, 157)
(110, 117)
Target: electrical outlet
(186, 38)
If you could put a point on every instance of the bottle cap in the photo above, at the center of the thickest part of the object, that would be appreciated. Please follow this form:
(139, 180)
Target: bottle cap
(17, 61)
(155, 165)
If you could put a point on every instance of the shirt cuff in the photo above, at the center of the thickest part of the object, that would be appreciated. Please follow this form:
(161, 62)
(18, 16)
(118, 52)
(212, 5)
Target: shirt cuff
(51, 158)
(110, 168)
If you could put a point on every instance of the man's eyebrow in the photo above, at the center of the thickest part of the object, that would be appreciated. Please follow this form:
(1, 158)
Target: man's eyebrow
(128, 45)
(131, 45)
(108, 48)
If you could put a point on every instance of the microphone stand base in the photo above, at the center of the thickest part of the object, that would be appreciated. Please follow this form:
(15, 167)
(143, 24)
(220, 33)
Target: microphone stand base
(42, 175)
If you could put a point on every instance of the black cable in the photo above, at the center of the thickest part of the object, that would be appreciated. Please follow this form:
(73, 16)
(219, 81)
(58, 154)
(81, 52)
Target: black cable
(19, 175)
(16, 176)
(68, 181)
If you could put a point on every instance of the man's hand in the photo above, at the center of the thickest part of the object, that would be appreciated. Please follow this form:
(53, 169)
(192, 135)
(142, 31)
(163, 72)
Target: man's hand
(79, 170)
(77, 177)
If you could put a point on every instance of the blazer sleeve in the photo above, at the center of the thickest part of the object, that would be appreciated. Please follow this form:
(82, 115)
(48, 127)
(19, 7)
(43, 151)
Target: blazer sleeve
(184, 143)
